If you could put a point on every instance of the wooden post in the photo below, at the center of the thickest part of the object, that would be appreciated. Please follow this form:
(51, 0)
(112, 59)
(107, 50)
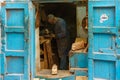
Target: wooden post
(37, 50)
(49, 53)
(45, 57)
(37, 38)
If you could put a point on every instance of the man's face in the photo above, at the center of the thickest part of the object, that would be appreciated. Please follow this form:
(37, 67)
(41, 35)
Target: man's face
(51, 21)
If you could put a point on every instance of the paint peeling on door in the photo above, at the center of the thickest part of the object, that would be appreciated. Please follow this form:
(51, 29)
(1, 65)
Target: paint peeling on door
(2, 3)
(99, 79)
(103, 18)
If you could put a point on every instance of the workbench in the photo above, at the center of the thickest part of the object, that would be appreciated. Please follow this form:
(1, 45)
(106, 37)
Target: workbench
(47, 62)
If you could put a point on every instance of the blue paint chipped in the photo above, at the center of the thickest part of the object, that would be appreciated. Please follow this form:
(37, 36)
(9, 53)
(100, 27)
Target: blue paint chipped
(15, 43)
(104, 41)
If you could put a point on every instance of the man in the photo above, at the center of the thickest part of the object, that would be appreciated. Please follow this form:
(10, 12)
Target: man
(61, 36)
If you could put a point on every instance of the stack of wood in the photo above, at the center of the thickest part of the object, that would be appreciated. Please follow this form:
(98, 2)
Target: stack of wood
(80, 44)
(47, 62)
(48, 54)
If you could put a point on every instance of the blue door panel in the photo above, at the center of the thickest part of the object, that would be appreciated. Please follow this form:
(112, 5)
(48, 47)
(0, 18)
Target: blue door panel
(2, 64)
(102, 3)
(105, 30)
(12, 62)
(118, 69)
(104, 69)
(104, 38)
(16, 0)
(103, 16)
(104, 56)
(76, 60)
(15, 15)
(15, 44)
(104, 43)
(14, 77)
(17, 38)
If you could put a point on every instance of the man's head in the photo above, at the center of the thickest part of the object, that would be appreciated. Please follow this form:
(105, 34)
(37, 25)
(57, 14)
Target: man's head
(51, 19)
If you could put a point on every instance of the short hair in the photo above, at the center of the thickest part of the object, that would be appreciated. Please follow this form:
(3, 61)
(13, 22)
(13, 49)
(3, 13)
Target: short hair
(51, 16)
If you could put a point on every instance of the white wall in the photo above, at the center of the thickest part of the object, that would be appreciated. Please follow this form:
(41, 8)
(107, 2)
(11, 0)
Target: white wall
(80, 14)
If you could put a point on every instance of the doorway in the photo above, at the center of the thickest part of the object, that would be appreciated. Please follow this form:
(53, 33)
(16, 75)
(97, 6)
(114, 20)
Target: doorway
(70, 12)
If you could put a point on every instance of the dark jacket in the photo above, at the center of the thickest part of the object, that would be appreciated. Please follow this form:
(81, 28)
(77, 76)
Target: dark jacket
(61, 37)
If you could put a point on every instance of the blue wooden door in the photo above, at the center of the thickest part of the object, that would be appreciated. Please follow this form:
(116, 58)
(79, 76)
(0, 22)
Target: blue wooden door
(104, 40)
(15, 41)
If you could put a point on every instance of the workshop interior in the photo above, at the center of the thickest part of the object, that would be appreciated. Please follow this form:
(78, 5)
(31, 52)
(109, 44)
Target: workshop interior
(76, 17)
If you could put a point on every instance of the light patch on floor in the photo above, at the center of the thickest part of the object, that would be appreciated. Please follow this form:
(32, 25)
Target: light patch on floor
(99, 79)
(36, 79)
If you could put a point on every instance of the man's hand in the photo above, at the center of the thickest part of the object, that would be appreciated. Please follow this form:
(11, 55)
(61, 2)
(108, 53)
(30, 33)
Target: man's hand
(53, 35)
(47, 31)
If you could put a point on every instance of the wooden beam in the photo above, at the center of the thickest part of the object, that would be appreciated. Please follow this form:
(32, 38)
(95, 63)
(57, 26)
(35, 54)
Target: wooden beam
(49, 53)
(45, 57)
(82, 69)
(37, 50)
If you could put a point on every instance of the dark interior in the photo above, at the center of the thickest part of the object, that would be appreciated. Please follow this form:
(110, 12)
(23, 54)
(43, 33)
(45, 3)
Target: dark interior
(67, 11)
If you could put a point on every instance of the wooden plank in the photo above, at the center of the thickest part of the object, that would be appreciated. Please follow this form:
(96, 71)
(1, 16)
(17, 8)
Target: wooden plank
(42, 65)
(37, 16)
(48, 60)
(37, 50)
(84, 69)
(49, 53)
(37, 39)
(47, 73)
(81, 78)
(42, 40)
(45, 57)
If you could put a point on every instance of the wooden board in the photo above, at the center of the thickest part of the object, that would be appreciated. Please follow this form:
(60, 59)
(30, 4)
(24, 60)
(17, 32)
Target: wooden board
(47, 50)
(45, 57)
(82, 69)
(42, 64)
(37, 16)
(47, 73)
(81, 78)
(37, 50)
(49, 53)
